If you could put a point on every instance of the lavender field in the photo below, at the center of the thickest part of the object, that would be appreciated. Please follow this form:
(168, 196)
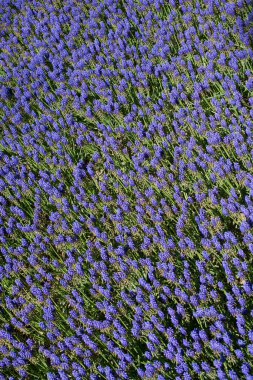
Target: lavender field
(126, 189)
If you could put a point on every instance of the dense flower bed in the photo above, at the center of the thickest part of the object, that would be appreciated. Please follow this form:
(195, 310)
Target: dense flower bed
(126, 189)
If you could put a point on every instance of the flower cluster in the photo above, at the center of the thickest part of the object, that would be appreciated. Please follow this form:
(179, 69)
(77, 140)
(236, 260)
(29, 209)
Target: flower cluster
(126, 189)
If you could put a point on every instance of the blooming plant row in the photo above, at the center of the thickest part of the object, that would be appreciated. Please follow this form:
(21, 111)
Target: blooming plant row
(126, 189)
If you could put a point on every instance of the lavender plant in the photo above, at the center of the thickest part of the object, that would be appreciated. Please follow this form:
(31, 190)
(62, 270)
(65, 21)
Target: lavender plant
(126, 189)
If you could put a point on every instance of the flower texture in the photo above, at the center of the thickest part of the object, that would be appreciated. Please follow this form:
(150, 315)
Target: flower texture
(126, 189)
